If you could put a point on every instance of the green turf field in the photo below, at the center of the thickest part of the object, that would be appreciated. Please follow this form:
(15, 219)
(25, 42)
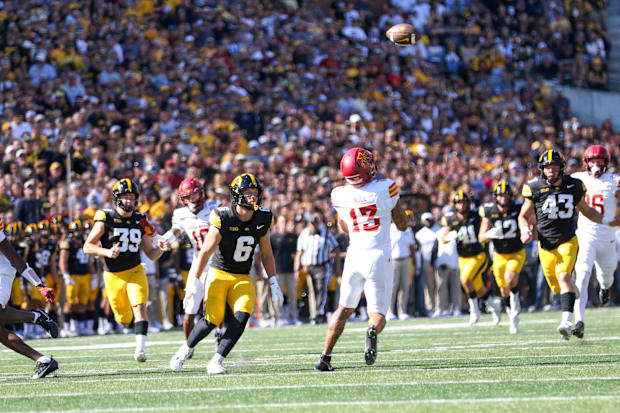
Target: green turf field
(423, 365)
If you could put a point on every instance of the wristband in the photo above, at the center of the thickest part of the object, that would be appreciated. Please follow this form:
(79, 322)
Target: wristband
(31, 276)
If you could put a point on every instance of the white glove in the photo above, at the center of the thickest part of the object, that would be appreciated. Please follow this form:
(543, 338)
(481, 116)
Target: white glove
(68, 279)
(450, 236)
(276, 293)
(495, 233)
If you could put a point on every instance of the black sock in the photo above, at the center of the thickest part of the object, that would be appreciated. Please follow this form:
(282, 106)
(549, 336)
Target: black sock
(89, 315)
(141, 327)
(200, 331)
(515, 289)
(485, 296)
(233, 332)
(80, 317)
(472, 294)
(67, 318)
(507, 302)
(326, 358)
(567, 302)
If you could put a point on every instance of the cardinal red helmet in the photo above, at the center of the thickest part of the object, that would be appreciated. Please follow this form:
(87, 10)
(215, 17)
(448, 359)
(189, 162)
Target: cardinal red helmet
(358, 166)
(596, 152)
(187, 190)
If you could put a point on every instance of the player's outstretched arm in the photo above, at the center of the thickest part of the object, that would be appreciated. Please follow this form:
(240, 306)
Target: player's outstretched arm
(92, 247)
(399, 217)
(153, 252)
(525, 216)
(485, 226)
(208, 248)
(592, 214)
(17, 262)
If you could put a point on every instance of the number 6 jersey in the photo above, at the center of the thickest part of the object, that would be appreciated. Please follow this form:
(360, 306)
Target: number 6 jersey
(556, 217)
(239, 238)
(128, 233)
(367, 211)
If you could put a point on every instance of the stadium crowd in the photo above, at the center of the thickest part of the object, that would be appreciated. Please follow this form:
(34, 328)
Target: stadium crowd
(158, 91)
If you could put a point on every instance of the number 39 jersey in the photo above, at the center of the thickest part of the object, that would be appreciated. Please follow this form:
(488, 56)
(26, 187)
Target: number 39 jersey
(556, 217)
(239, 238)
(601, 196)
(507, 222)
(128, 233)
(467, 229)
(195, 226)
(367, 211)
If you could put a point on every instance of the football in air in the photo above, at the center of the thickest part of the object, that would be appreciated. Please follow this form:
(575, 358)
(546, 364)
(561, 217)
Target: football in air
(402, 34)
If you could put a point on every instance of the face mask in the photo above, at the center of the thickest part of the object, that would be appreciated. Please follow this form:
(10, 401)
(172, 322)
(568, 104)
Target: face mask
(595, 170)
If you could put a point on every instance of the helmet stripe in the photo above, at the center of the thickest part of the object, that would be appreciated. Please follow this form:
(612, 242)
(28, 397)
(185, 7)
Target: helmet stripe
(128, 184)
(252, 178)
(549, 156)
(503, 187)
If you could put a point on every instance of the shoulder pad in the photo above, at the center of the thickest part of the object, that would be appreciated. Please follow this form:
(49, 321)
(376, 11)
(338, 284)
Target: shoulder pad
(100, 215)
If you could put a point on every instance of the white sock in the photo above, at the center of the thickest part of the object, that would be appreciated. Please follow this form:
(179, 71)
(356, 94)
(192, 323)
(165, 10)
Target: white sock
(567, 316)
(218, 358)
(44, 359)
(89, 323)
(74, 324)
(473, 304)
(184, 347)
(140, 342)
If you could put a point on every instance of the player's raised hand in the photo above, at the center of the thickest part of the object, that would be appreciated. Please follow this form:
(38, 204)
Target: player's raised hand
(164, 244)
(114, 251)
(46, 292)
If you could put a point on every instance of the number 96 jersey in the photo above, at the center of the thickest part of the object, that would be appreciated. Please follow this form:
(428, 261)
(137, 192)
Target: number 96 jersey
(239, 238)
(128, 233)
(556, 217)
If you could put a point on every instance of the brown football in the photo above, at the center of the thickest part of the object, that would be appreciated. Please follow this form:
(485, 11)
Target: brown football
(402, 34)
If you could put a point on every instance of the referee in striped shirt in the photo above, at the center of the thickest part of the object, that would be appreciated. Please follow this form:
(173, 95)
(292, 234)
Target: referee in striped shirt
(314, 245)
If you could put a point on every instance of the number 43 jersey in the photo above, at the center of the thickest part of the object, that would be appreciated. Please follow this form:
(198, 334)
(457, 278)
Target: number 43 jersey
(367, 211)
(556, 208)
(128, 233)
(239, 238)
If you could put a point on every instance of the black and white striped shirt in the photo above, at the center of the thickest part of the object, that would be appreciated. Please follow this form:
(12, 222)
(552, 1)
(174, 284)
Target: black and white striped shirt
(315, 248)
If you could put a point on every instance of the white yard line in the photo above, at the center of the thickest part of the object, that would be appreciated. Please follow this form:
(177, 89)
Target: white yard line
(314, 386)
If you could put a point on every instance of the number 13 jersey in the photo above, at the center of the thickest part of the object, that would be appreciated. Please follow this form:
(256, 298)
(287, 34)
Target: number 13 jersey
(367, 211)
(239, 238)
(128, 233)
(556, 217)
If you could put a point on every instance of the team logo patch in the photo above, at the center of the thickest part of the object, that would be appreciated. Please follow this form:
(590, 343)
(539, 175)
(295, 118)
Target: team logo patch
(364, 159)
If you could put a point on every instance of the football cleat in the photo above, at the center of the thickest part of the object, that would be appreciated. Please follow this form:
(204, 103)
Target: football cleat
(370, 354)
(215, 367)
(43, 369)
(182, 354)
(578, 329)
(46, 322)
(139, 356)
(603, 294)
(565, 329)
(324, 364)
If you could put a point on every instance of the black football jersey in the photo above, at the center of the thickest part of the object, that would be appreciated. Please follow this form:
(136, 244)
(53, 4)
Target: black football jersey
(128, 233)
(31, 249)
(44, 256)
(508, 223)
(467, 244)
(78, 260)
(239, 239)
(556, 208)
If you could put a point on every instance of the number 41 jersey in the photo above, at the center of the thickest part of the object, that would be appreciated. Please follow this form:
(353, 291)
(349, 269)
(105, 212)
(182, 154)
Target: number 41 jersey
(239, 238)
(367, 211)
(556, 217)
(128, 233)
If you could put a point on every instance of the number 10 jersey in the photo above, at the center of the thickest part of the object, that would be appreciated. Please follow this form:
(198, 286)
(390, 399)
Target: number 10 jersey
(125, 231)
(367, 211)
(239, 238)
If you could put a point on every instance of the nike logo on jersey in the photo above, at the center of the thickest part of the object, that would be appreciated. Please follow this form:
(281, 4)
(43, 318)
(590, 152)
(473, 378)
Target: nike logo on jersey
(570, 186)
(259, 226)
